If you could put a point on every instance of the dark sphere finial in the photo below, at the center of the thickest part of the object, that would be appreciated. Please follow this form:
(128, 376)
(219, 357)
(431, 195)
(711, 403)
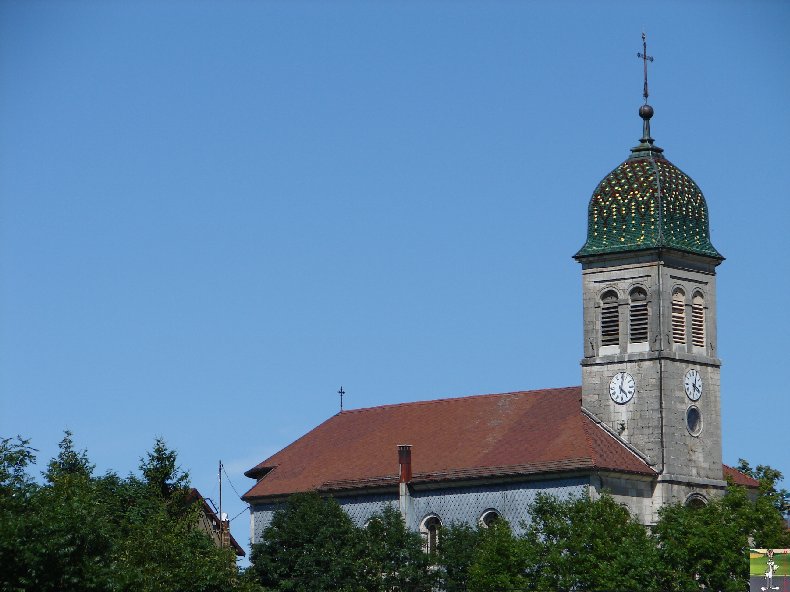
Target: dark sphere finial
(645, 111)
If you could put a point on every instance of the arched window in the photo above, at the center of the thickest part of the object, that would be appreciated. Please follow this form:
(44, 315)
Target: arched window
(679, 316)
(696, 501)
(429, 529)
(698, 320)
(610, 319)
(637, 316)
(488, 517)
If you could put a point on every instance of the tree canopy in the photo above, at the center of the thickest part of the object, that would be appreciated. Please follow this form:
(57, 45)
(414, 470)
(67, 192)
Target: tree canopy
(705, 546)
(771, 507)
(81, 532)
(583, 544)
(310, 545)
(393, 555)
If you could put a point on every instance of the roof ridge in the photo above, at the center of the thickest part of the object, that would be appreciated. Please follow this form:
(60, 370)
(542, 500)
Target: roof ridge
(660, 214)
(453, 399)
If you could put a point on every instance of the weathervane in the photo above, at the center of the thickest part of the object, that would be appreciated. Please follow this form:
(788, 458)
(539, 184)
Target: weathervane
(645, 58)
(341, 392)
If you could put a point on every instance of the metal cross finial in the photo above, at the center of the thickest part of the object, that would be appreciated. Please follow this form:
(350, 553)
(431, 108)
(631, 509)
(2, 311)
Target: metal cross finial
(341, 392)
(645, 58)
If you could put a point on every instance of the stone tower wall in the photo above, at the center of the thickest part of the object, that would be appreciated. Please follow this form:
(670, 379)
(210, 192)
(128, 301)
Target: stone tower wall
(655, 420)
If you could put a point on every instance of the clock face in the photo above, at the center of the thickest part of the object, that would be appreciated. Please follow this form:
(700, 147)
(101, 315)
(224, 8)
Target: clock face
(622, 388)
(692, 382)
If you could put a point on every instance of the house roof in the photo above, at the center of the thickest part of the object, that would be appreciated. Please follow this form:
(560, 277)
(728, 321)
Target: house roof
(194, 495)
(739, 478)
(483, 436)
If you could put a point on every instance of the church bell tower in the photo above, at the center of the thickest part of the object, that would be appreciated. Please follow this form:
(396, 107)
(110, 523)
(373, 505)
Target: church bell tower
(650, 370)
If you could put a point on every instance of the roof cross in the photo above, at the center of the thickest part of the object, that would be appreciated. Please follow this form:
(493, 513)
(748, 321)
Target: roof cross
(341, 392)
(645, 58)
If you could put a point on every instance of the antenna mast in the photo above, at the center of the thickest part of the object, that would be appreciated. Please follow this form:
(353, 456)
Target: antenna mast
(221, 525)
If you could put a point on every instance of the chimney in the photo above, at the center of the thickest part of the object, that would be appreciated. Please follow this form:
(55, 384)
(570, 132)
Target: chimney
(404, 474)
(224, 530)
(404, 460)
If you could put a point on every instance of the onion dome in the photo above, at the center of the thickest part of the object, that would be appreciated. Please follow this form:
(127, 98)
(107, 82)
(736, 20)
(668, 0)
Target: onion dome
(647, 203)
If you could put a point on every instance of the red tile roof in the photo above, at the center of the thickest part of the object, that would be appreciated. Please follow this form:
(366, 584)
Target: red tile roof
(484, 436)
(739, 478)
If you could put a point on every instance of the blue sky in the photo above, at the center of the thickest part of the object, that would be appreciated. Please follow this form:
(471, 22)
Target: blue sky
(213, 214)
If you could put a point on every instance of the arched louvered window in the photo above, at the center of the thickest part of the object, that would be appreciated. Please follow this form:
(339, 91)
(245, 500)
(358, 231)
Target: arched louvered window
(610, 319)
(637, 316)
(679, 316)
(698, 320)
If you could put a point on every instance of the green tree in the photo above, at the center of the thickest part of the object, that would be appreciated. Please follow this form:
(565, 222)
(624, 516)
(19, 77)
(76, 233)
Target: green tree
(393, 555)
(160, 553)
(706, 546)
(69, 463)
(310, 545)
(457, 547)
(499, 562)
(159, 547)
(17, 490)
(161, 472)
(768, 478)
(583, 544)
(771, 507)
(15, 457)
(64, 539)
(81, 532)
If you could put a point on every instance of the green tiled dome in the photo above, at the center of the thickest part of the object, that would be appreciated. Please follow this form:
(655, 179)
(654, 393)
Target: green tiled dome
(645, 203)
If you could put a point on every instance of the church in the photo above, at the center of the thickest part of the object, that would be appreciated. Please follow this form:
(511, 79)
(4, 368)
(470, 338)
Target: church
(644, 426)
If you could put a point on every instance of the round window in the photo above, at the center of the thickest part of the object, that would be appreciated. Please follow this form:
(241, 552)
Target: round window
(488, 518)
(694, 421)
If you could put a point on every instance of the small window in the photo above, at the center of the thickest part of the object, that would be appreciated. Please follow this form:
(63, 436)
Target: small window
(679, 316)
(430, 533)
(488, 518)
(610, 319)
(637, 320)
(698, 320)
